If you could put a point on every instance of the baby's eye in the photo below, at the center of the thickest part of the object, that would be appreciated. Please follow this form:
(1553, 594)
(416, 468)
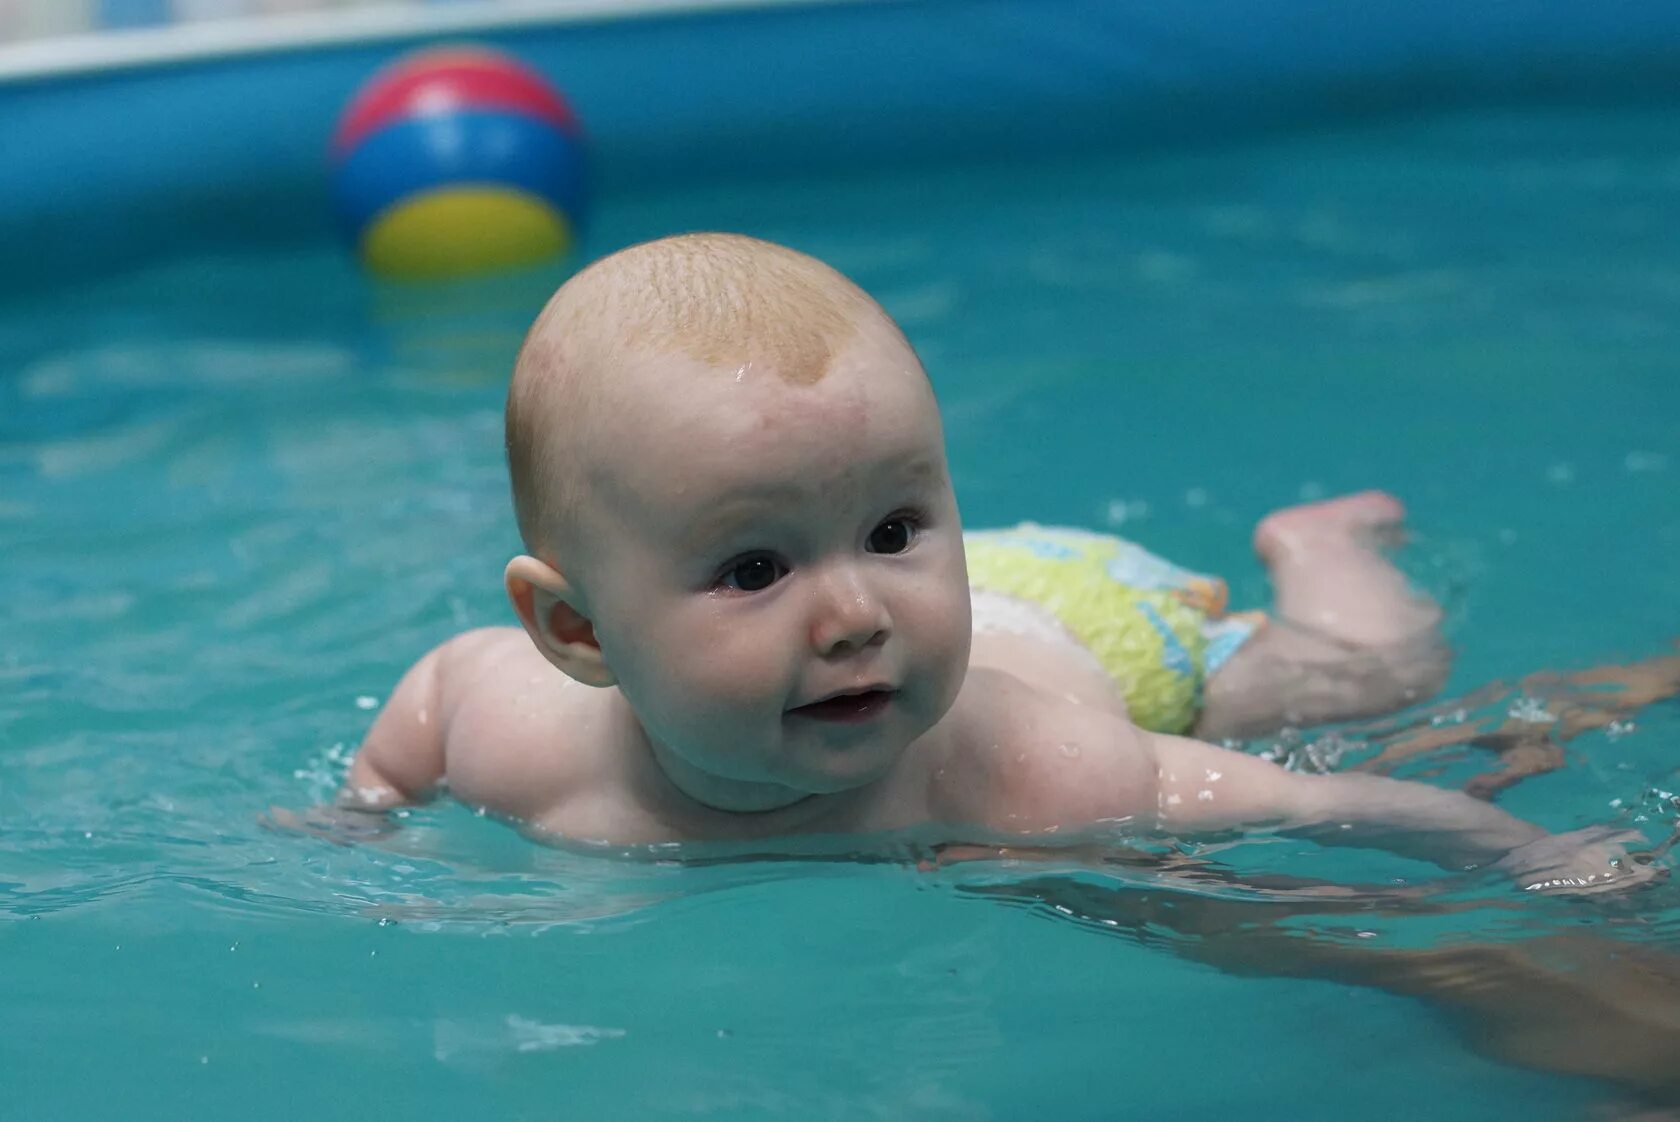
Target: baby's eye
(753, 574)
(892, 536)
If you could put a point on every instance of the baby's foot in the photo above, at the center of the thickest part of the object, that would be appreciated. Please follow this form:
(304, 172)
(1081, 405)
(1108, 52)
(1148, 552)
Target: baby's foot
(1368, 520)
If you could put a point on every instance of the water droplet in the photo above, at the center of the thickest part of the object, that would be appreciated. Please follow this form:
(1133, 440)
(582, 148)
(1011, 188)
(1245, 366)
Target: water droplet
(1121, 511)
(367, 701)
(1531, 710)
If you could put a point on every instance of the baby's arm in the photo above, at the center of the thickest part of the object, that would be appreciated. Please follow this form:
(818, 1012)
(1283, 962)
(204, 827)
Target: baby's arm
(1049, 765)
(401, 760)
(1203, 788)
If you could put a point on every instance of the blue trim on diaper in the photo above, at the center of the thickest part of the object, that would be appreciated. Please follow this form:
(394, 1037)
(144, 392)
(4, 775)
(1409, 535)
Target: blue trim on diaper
(1224, 638)
(1173, 655)
(1136, 567)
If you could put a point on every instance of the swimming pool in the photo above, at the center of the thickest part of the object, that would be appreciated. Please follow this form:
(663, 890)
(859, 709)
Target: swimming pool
(240, 489)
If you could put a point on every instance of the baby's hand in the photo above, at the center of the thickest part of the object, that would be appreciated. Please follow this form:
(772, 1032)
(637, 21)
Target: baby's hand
(1580, 862)
(339, 824)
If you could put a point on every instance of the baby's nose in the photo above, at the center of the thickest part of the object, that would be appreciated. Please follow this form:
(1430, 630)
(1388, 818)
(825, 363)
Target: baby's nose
(849, 617)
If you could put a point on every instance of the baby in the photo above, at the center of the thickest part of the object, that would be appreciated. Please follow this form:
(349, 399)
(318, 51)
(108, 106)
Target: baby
(749, 611)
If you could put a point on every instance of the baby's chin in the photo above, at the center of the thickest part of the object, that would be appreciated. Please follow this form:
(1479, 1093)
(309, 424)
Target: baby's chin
(805, 772)
(851, 770)
(840, 784)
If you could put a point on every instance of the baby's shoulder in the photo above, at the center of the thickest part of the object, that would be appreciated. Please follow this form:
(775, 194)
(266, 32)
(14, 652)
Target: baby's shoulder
(1022, 759)
(487, 660)
(519, 735)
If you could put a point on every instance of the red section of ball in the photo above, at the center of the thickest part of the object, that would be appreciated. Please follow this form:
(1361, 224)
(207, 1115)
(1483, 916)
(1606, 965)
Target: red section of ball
(449, 81)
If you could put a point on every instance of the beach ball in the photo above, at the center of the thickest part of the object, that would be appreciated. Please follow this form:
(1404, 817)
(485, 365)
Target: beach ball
(457, 161)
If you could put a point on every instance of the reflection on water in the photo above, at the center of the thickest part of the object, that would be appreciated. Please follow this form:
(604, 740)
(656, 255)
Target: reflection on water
(1523, 989)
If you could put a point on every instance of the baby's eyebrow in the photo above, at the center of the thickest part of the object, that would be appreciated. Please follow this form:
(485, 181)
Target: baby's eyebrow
(736, 512)
(924, 470)
(745, 506)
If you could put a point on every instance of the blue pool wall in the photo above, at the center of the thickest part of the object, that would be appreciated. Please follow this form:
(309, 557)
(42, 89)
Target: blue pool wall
(108, 166)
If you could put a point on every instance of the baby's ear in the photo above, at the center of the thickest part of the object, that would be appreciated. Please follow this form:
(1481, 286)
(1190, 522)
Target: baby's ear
(546, 604)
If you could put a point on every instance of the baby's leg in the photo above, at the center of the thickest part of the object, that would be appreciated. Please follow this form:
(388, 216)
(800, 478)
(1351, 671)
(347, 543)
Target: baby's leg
(1348, 638)
(1574, 703)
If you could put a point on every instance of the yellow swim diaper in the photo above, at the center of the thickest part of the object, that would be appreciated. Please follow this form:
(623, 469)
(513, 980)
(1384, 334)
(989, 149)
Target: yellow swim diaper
(1159, 630)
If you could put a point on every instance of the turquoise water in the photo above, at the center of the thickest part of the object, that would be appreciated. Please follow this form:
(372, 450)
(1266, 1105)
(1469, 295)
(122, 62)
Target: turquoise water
(239, 494)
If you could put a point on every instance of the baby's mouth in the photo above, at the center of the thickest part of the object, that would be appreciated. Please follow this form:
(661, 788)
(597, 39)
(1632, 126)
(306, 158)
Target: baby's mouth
(847, 708)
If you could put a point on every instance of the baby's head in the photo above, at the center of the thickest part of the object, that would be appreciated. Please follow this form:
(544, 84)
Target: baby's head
(730, 477)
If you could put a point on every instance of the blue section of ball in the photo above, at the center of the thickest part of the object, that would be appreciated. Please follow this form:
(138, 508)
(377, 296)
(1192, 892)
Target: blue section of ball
(457, 149)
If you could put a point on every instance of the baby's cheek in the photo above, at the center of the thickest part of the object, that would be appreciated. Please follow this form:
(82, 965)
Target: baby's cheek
(723, 681)
(942, 629)
(708, 703)
(735, 666)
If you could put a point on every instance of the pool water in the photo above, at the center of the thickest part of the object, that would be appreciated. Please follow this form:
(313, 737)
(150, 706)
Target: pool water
(239, 494)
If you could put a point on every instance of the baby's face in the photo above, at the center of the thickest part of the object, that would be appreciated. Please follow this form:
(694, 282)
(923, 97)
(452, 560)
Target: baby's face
(776, 574)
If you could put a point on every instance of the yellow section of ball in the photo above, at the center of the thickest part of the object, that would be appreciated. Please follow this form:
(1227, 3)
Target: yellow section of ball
(457, 231)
